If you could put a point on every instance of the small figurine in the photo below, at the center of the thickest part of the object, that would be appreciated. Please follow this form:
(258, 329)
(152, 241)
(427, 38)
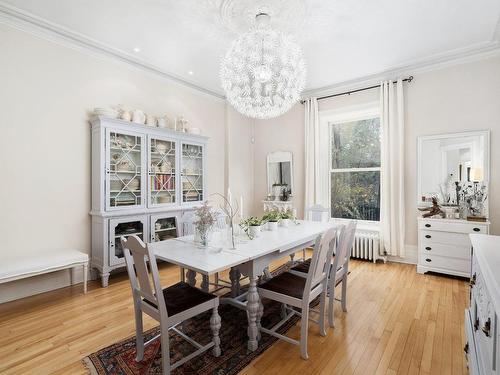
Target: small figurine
(434, 210)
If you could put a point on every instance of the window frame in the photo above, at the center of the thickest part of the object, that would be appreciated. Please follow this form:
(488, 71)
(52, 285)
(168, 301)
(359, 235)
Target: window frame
(339, 117)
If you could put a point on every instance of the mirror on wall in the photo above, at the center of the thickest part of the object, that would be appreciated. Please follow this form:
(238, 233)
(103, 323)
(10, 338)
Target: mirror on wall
(449, 159)
(279, 175)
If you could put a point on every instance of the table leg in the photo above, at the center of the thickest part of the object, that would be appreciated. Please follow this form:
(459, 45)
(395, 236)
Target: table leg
(259, 317)
(204, 283)
(253, 307)
(234, 276)
(191, 277)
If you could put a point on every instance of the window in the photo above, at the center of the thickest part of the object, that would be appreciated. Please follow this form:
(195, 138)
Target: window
(355, 169)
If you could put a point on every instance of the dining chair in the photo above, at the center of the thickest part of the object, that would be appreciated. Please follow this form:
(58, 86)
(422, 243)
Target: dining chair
(339, 270)
(299, 292)
(170, 306)
(317, 213)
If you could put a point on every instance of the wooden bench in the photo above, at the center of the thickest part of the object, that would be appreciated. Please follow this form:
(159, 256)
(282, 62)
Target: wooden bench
(20, 267)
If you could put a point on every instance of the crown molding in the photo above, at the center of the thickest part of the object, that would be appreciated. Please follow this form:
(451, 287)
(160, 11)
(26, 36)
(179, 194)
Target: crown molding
(472, 53)
(28, 22)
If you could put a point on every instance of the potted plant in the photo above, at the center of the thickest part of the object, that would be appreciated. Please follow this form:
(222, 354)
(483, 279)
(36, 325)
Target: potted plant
(204, 223)
(252, 226)
(286, 217)
(272, 218)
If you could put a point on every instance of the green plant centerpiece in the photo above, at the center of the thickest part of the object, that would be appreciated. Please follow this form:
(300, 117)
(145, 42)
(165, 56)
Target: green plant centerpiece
(286, 217)
(252, 226)
(272, 218)
(205, 221)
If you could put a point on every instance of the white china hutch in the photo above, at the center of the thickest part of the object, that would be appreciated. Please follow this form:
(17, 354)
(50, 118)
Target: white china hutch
(143, 179)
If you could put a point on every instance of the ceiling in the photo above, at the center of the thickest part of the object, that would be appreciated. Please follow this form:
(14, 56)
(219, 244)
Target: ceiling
(342, 40)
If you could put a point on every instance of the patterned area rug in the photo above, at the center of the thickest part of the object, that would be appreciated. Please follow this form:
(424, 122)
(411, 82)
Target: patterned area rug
(119, 358)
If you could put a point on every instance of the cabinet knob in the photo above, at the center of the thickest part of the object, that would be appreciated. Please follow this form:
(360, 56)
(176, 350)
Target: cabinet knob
(427, 225)
(486, 328)
(428, 260)
(466, 348)
(428, 236)
(428, 248)
(472, 281)
(476, 230)
(476, 324)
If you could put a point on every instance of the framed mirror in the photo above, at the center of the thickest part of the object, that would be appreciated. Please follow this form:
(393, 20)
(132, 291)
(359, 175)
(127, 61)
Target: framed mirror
(280, 174)
(447, 159)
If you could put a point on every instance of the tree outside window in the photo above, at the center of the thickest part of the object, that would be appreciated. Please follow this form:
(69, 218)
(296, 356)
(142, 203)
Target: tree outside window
(355, 169)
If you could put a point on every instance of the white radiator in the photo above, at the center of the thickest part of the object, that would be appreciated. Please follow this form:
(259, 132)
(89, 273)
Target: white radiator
(367, 246)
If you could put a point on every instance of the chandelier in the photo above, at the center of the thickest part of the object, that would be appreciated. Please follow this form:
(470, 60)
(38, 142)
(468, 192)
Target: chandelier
(263, 72)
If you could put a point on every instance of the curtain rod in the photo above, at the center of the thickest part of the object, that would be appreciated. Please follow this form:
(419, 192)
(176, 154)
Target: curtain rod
(409, 79)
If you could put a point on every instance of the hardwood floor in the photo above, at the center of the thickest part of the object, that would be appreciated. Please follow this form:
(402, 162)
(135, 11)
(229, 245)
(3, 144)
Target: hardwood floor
(398, 322)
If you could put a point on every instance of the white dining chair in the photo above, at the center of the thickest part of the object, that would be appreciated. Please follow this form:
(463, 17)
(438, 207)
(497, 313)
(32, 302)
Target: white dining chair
(170, 306)
(318, 213)
(299, 292)
(339, 270)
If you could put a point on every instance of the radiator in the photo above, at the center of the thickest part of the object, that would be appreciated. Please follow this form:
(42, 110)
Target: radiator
(367, 246)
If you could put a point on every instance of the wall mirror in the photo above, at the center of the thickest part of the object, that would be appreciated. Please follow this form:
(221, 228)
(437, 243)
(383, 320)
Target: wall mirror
(280, 174)
(447, 159)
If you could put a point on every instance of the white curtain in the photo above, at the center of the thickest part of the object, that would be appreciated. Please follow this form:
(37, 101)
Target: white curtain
(316, 157)
(392, 209)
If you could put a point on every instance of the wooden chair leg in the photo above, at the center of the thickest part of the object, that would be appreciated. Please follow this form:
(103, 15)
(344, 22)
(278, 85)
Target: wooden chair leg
(344, 293)
(165, 350)
(139, 334)
(215, 324)
(322, 328)
(304, 325)
(331, 301)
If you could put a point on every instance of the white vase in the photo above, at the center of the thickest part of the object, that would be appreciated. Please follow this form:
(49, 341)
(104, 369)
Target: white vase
(272, 225)
(285, 223)
(254, 231)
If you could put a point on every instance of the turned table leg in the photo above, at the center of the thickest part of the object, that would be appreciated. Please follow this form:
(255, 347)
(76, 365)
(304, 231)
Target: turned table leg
(204, 283)
(191, 277)
(253, 307)
(234, 276)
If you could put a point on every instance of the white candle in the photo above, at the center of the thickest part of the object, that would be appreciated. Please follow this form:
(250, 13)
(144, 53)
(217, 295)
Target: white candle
(241, 206)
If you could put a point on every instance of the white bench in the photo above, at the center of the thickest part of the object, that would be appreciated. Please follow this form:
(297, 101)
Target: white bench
(19, 267)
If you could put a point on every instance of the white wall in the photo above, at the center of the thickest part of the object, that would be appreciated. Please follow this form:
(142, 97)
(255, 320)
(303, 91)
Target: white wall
(453, 99)
(46, 91)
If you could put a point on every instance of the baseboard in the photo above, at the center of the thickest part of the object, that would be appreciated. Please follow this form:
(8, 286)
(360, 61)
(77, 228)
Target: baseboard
(411, 256)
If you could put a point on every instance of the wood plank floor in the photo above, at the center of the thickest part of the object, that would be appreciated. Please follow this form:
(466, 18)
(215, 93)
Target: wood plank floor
(398, 322)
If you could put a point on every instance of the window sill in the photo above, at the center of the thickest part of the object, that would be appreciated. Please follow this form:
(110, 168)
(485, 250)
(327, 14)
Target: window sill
(363, 225)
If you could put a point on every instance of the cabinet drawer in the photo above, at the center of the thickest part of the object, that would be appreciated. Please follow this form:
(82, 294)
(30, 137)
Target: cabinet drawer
(458, 227)
(436, 248)
(445, 263)
(429, 237)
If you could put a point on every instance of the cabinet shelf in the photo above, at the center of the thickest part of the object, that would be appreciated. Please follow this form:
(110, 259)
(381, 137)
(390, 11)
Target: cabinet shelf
(164, 229)
(128, 234)
(124, 150)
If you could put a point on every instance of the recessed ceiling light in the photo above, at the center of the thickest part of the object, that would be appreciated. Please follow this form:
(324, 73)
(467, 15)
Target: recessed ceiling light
(190, 72)
(137, 49)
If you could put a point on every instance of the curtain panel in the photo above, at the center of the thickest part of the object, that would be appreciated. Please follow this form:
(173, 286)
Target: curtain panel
(392, 194)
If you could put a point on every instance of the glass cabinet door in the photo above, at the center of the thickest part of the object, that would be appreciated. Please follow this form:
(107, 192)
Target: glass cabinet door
(162, 169)
(163, 228)
(124, 170)
(192, 173)
(123, 227)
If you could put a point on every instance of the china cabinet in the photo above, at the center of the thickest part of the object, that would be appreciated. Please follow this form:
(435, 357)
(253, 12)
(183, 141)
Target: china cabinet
(143, 180)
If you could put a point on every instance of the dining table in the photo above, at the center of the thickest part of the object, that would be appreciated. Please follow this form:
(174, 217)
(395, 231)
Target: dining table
(249, 257)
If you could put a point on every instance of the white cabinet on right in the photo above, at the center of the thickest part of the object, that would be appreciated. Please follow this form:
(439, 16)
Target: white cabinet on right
(444, 245)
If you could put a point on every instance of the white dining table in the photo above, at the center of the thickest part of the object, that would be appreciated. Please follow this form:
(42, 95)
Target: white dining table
(248, 257)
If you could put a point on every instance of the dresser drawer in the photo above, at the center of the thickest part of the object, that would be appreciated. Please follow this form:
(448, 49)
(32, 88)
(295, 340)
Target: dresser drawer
(429, 237)
(436, 248)
(470, 346)
(445, 263)
(457, 227)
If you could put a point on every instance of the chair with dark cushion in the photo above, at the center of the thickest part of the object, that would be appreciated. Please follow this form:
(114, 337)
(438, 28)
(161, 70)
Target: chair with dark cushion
(299, 292)
(340, 263)
(169, 306)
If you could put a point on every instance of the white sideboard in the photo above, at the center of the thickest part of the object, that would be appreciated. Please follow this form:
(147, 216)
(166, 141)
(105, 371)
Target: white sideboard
(143, 180)
(444, 245)
(481, 318)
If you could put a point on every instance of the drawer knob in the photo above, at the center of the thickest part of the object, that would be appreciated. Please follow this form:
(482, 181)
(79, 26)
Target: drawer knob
(466, 348)
(428, 236)
(428, 248)
(476, 230)
(427, 225)
(428, 260)
(486, 328)
(473, 280)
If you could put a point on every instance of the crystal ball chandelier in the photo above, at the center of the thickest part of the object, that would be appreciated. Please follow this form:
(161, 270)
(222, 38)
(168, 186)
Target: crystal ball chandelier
(263, 72)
